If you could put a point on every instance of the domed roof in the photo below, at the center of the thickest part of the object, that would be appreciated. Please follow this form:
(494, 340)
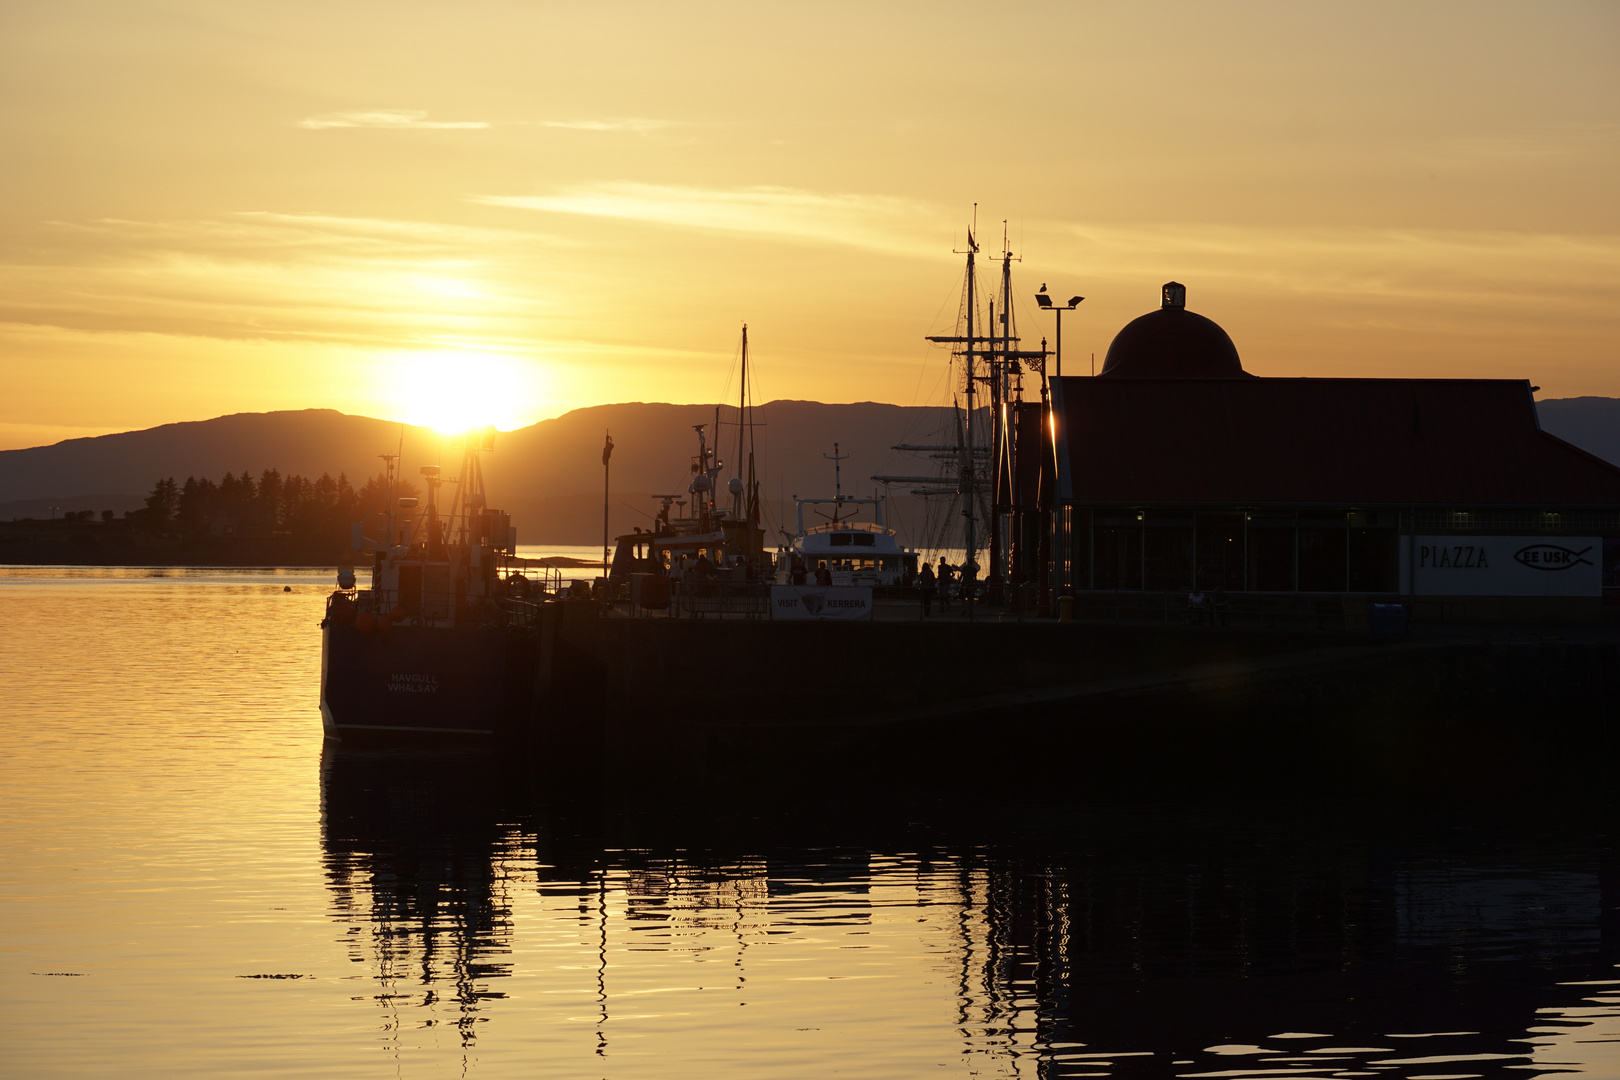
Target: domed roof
(1173, 343)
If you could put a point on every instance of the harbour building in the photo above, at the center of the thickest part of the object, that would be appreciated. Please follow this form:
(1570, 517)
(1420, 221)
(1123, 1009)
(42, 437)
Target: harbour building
(1175, 470)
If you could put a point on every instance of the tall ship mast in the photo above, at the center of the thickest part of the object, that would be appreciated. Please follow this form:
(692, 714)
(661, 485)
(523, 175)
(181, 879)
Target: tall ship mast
(981, 455)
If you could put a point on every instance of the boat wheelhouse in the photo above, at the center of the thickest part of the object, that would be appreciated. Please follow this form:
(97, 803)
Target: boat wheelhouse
(855, 552)
(726, 544)
(723, 544)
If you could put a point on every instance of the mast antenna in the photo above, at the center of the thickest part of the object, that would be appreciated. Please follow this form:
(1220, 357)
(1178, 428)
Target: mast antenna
(838, 480)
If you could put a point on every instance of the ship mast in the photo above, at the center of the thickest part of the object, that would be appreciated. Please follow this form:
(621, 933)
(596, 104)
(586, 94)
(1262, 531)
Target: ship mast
(968, 461)
(745, 499)
(838, 480)
(1001, 372)
(969, 495)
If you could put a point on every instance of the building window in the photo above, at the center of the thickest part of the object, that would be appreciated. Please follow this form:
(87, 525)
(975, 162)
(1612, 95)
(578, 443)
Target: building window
(1375, 558)
(1323, 554)
(1080, 552)
(1271, 552)
(1220, 550)
(1168, 551)
(1119, 553)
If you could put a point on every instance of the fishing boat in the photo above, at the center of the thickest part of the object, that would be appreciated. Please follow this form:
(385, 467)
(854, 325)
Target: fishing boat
(694, 534)
(441, 642)
(854, 552)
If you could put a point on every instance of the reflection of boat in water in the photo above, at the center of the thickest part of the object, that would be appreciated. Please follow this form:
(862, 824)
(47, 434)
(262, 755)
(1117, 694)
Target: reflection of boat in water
(854, 552)
(440, 642)
(410, 840)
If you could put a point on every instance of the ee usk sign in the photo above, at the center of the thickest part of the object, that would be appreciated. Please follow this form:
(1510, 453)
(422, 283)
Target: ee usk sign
(1504, 565)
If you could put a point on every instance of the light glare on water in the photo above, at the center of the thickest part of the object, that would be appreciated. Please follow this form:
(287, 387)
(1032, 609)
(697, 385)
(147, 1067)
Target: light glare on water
(191, 888)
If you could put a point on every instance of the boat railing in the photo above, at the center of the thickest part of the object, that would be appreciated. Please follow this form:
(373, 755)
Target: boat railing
(505, 612)
(521, 581)
(847, 526)
(1332, 612)
(720, 599)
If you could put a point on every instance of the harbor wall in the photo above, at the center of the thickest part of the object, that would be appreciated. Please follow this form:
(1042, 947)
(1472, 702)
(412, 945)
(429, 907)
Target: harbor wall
(682, 697)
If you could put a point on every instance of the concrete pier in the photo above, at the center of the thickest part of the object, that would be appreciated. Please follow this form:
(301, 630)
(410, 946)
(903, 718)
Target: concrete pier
(669, 692)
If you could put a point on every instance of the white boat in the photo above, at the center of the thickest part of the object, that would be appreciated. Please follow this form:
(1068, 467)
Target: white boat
(854, 552)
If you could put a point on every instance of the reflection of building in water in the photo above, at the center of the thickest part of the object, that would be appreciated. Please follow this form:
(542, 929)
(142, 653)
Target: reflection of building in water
(413, 861)
(1159, 937)
(1131, 936)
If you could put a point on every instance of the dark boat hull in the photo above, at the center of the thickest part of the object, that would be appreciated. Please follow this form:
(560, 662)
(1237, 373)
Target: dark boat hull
(444, 682)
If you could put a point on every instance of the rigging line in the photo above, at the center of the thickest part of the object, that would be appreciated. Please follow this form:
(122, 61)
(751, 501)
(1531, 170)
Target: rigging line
(736, 355)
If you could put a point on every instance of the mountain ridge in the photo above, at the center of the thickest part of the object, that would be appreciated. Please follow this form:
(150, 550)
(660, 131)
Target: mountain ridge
(549, 474)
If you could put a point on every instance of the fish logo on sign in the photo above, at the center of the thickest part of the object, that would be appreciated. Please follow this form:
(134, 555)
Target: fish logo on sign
(1551, 557)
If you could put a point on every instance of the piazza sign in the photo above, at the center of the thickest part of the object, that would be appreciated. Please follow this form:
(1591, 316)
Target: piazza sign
(1504, 565)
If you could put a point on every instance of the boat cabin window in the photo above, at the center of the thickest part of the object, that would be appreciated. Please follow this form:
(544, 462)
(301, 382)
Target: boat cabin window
(859, 539)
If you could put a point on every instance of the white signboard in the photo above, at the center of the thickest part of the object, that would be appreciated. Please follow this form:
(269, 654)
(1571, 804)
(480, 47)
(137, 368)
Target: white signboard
(1503, 565)
(821, 601)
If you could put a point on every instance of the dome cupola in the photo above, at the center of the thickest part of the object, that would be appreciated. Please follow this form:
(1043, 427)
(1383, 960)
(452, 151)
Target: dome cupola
(1172, 343)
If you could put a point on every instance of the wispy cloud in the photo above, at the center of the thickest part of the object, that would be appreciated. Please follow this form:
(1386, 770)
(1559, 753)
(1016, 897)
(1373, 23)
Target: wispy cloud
(637, 125)
(272, 276)
(399, 119)
(875, 222)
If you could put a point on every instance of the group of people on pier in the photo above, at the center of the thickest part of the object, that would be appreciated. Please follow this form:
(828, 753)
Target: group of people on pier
(948, 581)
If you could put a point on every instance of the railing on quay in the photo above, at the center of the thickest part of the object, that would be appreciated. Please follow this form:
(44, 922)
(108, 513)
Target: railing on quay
(1270, 611)
(501, 613)
(720, 599)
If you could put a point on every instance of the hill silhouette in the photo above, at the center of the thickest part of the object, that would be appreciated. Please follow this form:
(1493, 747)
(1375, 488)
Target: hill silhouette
(549, 474)
(1591, 423)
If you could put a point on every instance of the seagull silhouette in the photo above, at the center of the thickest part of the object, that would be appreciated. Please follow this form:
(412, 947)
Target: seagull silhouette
(1042, 288)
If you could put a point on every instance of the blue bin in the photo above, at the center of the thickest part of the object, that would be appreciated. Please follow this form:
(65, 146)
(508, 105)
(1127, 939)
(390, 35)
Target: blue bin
(1387, 618)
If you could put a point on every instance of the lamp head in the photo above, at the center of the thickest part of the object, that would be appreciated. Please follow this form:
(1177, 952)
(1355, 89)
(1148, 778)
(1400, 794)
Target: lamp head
(1074, 301)
(1042, 300)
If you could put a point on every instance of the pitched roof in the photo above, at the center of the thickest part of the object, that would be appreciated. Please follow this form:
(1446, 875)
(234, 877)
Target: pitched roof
(1424, 442)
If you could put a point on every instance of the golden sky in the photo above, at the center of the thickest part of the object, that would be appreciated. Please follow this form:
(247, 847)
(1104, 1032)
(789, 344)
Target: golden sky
(500, 211)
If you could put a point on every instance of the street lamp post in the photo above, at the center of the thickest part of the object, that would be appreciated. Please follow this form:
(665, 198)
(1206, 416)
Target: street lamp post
(1045, 303)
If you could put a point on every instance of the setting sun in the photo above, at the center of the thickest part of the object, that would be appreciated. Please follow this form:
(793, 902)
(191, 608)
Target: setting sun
(456, 391)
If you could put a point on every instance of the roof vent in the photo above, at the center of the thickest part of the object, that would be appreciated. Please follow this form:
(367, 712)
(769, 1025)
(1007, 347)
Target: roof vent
(1175, 294)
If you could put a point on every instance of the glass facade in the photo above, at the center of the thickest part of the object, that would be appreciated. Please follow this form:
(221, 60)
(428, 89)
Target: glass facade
(1239, 550)
(1166, 549)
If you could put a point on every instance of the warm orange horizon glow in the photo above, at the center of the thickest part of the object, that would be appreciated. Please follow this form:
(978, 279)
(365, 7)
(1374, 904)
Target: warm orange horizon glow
(211, 210)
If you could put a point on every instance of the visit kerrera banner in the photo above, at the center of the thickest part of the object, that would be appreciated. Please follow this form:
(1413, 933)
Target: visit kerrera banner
(1504, 565)
(821, 601)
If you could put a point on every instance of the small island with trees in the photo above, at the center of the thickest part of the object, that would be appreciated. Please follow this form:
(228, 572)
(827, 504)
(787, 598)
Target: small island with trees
(273, 520)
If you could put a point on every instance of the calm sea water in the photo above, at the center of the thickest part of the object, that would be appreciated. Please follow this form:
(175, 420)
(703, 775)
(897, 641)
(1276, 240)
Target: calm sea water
(193, 886)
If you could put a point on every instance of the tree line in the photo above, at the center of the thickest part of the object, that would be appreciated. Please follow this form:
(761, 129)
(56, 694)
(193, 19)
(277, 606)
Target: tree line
(309, 511)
